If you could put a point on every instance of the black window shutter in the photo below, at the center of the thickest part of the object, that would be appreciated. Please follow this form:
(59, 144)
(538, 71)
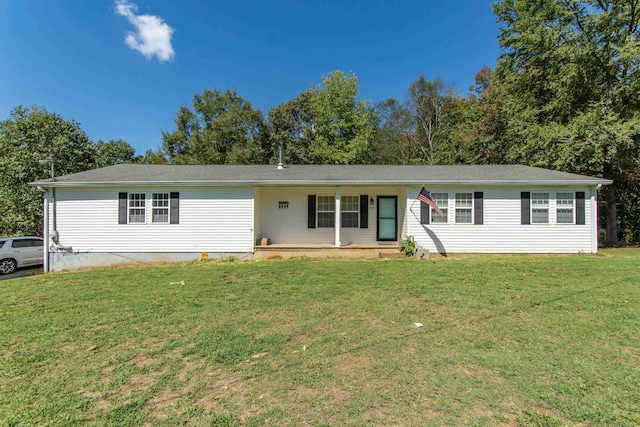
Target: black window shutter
(424, 213)
(580, 207)
(478, 207)
(525, 205)
(364, 211)
(174, 208)
(122, 208)
(312, 211)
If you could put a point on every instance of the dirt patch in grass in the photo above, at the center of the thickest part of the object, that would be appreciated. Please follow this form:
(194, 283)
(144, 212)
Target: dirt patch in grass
(191, 370)
(142, 361)
(339, 395)
(479, 372)
(225, 388)
(304, 340)
(99, 402)
(161, 405)
(351, 365)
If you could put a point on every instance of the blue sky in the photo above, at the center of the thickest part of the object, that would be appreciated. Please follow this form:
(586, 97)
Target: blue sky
(123, 68)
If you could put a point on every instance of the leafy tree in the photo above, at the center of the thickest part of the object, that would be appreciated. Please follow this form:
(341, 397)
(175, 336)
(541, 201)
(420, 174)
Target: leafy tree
(489, 129)
(221, 128)
(568, 88)
(114, 152)
(392, 142)
(292, 127)
(30, 141)
(152, 157)
(343, 124)
(428, 103)
(418, 130)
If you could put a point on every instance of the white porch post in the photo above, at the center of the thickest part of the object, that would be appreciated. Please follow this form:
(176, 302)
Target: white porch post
(338, 225)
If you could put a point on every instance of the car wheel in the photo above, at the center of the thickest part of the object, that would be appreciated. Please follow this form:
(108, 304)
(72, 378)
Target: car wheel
(7, 266)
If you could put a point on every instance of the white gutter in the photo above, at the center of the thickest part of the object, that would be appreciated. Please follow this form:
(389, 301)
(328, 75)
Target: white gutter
(45, 229)
(292, 183)
(594, 220)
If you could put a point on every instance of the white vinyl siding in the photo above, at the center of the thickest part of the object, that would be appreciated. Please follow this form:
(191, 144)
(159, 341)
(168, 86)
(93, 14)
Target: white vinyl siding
(211, 219)
(502, 231)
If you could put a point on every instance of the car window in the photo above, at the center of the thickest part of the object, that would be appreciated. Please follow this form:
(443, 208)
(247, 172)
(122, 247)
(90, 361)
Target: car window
(2, 243)
(22, 243)
(36, 242)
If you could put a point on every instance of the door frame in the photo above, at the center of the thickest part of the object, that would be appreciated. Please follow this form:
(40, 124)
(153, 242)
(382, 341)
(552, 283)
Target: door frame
(395, 218)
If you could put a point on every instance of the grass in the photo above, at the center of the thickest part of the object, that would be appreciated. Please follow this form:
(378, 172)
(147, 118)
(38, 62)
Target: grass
(507, 340)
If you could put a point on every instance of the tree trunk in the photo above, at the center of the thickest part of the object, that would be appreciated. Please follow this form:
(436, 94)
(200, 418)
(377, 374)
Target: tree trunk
(612, 217)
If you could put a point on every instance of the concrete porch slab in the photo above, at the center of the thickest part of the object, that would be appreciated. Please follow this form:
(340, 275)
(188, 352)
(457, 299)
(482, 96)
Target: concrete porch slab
(326, 251)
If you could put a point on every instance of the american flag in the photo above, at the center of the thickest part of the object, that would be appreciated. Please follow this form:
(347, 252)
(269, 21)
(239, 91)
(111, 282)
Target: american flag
(425, 197)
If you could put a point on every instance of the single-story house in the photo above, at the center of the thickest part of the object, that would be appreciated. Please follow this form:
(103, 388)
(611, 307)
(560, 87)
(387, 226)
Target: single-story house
(131, 213)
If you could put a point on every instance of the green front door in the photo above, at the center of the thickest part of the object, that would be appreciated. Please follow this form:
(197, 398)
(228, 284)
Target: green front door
(387, 217)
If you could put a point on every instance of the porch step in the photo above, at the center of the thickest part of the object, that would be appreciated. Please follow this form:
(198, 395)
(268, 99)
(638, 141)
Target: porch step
(395, 254)
(325, 251)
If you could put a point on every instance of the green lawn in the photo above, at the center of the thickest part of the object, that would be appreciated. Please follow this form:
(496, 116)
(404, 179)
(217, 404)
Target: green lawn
(506, 340)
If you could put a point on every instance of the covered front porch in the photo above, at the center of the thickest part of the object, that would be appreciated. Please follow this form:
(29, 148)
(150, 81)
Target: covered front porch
(310, 218)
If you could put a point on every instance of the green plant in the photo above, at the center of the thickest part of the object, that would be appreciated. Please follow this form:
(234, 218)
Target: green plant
(408, 246)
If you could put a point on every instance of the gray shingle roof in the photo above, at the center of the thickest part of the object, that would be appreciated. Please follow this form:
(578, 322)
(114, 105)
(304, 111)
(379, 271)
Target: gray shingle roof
(317, 175)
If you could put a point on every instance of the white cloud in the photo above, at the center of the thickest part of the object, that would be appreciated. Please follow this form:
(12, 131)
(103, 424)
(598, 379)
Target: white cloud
(152, 35)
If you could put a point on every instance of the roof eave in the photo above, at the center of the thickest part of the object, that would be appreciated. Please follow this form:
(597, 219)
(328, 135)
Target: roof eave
(263, 183)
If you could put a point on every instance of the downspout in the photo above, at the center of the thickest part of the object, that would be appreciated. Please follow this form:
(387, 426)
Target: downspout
(53, 211)
(45, 229)
(594, 220)
(54, 225)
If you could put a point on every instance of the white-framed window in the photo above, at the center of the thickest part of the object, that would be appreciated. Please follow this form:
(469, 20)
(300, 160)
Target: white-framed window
(137, 208)
(349, 211)
(326, 211)
(539, 208)
(442, 200)
(564, 208)
(160, 208)
(464, 208)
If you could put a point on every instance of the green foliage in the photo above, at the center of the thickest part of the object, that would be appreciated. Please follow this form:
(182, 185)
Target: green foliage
(152, 157)
(113, 153)
(343, 124)
(409, 246)
(221, 128)
(392, 143)
(416, 131)
(428, 102)
(30, 140)
(567, 88)
(291, 126)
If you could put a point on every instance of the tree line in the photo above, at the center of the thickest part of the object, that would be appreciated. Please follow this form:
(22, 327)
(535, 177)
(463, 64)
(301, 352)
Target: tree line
(564, 95)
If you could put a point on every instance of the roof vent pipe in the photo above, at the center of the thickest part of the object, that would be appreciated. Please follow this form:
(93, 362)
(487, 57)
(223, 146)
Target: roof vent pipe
(280, 164)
